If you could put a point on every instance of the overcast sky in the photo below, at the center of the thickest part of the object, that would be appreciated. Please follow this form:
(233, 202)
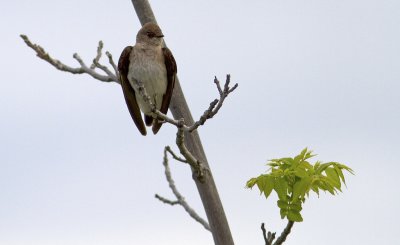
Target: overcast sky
(321, 74)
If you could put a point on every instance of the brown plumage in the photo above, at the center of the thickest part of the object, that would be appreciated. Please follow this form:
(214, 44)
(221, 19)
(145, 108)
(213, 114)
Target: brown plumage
(153, 66)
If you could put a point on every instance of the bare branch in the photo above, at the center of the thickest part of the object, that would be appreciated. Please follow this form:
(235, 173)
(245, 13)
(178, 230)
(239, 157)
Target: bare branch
(182, 127)
(180, 199)
(198, 167)
(142, 92)
(110, 59)
(209, 113)
(268, 238)
(165, 200)
(264, 234)
(98, 56)
(96, 60)
(106, 70)
(285, 233)
(41, 53)
(167, 148)
(216, 104)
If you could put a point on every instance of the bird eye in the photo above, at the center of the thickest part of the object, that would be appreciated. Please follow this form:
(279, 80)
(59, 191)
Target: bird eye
(151, 34)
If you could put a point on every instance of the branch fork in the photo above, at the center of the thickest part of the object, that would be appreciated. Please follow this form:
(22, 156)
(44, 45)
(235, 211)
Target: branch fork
(109, 77)
(270, 237)
(182, 127)
(180, 200)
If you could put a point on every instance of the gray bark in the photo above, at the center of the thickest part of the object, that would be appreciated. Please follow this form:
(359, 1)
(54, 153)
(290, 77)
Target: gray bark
(207, 190)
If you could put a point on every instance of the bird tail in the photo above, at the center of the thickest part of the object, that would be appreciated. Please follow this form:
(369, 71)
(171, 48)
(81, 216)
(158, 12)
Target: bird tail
(148, 120)
(156, 126)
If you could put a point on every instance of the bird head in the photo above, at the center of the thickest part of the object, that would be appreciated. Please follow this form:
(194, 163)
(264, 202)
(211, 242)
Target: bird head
(150, 34)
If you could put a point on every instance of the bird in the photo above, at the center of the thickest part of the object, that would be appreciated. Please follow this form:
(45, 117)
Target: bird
(154, 66)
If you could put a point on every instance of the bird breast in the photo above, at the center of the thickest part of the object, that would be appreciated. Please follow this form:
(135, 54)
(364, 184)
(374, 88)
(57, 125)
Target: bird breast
(147, 66)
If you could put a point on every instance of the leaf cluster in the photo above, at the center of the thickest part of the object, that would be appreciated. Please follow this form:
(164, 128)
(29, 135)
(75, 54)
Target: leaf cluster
(293, 178)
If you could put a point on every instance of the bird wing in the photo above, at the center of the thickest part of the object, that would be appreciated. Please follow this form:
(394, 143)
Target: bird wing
(170, 65)
(129, 93)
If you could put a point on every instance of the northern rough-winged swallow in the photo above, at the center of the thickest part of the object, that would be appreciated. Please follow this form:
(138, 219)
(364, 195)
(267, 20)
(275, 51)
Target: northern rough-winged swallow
(153, 66)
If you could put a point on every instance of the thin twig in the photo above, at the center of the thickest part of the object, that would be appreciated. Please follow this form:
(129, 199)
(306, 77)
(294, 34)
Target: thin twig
(143, 93)
(271, 237)
(191, 160)
(98, 56)
(105, 69)
(264, 234)
(165, 200)
(268, 237)
(216, 104)
(110, 59)
(96, 60)
(167, 148)
(180, 199)
(41, 53)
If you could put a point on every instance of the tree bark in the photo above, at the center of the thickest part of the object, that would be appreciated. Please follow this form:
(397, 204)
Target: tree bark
(207, 190)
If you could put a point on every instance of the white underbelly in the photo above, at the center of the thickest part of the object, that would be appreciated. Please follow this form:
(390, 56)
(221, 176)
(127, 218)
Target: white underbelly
(154, 79)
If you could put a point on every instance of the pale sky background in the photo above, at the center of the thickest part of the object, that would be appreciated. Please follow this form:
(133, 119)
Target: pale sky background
(325, 74)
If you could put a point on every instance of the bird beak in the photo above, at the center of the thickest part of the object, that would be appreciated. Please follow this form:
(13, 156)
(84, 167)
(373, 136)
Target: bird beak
(162, 35)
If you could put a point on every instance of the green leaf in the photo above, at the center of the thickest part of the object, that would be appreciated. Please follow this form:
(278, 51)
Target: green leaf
(303, 152)
(296, 206)
(300, 172)
(294, 216)
(287, 160)
(333, 176)
(283, 205)
(272, 164)
(281, 186)
(342, 166)
(269, 186)
(276, 172)
(293, 178)
(316, 165)
(340, 173)
(261, 183)
(300, 157)
(283, 213)
(251, 182)
(309, 155)
(301, 187)
(273, 160)
(315, 189)
(305, 165)
(322, 167)
(326, 186)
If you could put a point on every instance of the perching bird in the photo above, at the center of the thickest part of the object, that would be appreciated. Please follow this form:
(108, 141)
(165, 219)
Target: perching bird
(154, 67)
